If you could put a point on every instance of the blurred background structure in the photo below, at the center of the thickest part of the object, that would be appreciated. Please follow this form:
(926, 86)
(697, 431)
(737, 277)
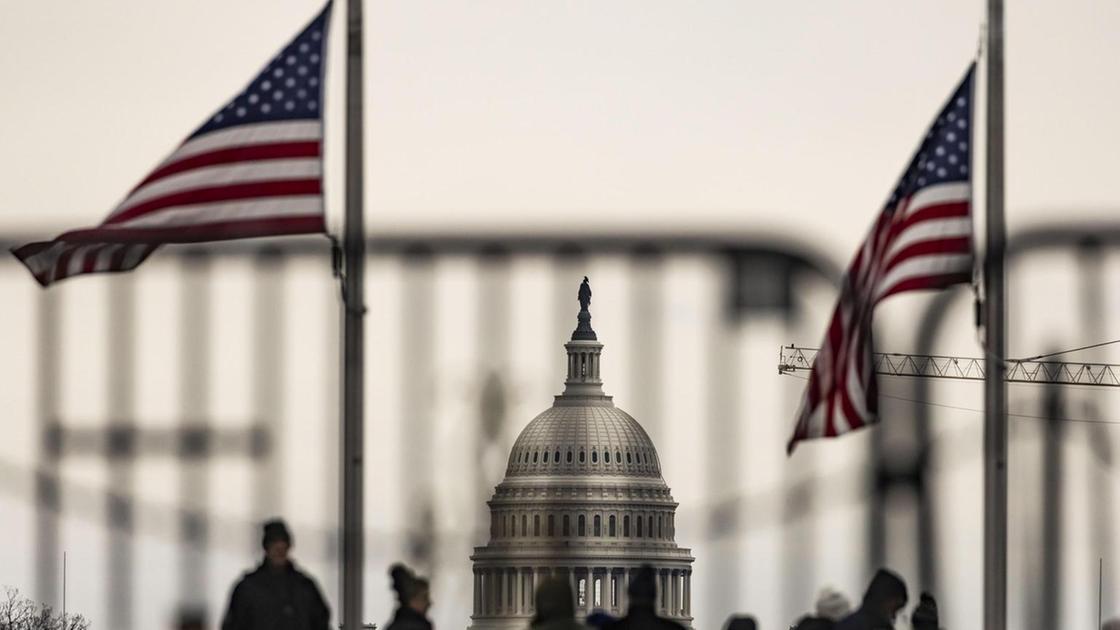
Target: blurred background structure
(157, 417)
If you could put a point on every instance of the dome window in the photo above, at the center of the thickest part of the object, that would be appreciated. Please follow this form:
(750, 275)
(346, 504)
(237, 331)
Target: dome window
(638, 521)
(567, 527)
(626, 526)
(582, 526)
(607, 456)
(536, 524)
(582, 456)
(628, 460)
(556, 457)
(598, 526)
(611, 531)
(534, 457)
(618, 456)
(649, 528)
(594, 457)
(569, 456)
(551, 525)
(524, 525)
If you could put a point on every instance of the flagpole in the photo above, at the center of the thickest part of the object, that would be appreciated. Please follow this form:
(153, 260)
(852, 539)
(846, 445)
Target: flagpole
(995, 318)
(353, 555)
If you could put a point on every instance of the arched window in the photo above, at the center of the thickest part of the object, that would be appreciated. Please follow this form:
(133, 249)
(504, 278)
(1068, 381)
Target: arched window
(551, 525)
(524, 525)
(569, 457)
(582, 456)
(598, 526)
(534, 457)
(610, 527)
(556, 457)
(649, 528)
(594, 457)
(628, 460)
(626, 526)
(660, 529)
(536, 524)
(566, 531)
(618, 456)
(639, 523)
(607, 457)
(581, 527)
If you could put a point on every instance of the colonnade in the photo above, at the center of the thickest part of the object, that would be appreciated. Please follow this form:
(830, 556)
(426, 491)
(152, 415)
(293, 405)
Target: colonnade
(509, 591)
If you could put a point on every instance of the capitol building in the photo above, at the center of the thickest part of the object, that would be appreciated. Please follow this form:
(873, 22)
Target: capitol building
(582, 498)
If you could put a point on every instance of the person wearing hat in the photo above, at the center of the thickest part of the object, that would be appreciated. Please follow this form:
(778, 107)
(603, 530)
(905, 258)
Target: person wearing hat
(277, 595)
(642, 615)
(414, 598)
(556, 608)
(885, 596)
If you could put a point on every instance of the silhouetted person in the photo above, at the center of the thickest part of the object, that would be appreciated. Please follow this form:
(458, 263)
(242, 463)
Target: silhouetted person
(276, 596)
(642, 616)
(190, 619)
(1111, 624)
(885, 596)
(814, 623)
(414, 598)
(832, 605)
(741, 623)
(556, 609)
(924, 616)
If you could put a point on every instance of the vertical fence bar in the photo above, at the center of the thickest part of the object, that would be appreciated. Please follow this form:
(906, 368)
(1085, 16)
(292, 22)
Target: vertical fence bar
(48, 503)
(121, 378)
(194, 408)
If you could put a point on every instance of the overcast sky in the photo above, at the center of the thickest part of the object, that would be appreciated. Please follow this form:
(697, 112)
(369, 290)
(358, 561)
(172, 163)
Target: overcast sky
(787, 116)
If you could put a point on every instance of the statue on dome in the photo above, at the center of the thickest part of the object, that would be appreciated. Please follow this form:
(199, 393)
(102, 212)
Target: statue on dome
(584, 294)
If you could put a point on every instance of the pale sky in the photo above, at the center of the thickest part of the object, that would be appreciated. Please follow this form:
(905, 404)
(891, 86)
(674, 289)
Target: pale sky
(791, 118)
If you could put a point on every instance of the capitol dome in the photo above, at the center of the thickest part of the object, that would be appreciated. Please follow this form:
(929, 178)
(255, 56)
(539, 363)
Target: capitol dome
(582, 498)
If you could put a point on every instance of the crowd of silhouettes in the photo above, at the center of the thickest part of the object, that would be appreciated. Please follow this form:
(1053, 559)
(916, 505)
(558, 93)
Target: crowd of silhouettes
(278, 596)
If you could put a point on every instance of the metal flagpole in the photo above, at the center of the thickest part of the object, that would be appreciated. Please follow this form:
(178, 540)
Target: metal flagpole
(995, 388)
(353, 556)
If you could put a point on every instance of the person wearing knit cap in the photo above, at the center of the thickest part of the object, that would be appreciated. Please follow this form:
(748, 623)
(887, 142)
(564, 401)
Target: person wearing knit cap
(556, 608)
(831, 604)
(277, 595)
(924, 616)
(413, 600)
(642, 615)
(885, 596)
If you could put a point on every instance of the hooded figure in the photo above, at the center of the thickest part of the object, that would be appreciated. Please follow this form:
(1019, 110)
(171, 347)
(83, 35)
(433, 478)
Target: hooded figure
(924, 616)
(641, 616)
(276, 596)
(885, 596)
(413, 600)
(556, 609)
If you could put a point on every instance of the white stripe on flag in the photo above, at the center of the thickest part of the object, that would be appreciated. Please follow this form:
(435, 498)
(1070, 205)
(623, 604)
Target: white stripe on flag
(225, 174)
(938, 194)
(930, 230)
(927, 265)
(201, 214)
(242, 135)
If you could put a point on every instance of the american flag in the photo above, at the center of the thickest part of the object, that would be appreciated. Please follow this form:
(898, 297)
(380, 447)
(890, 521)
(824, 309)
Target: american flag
(921, 240)
(254, 168)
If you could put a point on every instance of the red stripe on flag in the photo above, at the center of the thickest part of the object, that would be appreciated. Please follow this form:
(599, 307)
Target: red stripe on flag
(232, 192)
(954, 245)
(939, 211)
(210, 231)
(250, 153)
(939, 281)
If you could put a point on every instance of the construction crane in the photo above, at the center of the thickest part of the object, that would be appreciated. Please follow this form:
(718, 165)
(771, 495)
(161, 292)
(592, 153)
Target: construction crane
(794, 359)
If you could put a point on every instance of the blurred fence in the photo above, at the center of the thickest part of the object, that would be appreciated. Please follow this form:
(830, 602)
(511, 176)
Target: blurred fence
(172, 409)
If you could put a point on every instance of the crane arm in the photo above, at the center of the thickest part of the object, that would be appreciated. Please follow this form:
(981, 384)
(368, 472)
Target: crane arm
(795, 359)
